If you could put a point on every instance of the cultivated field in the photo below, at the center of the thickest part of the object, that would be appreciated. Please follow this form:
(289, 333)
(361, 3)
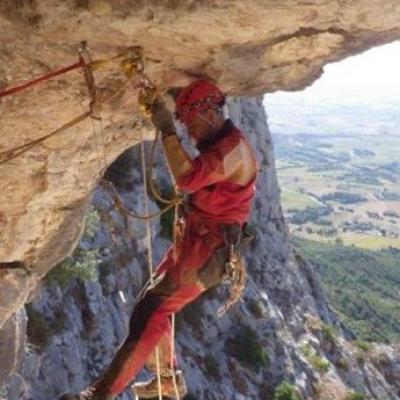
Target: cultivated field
(344, 188)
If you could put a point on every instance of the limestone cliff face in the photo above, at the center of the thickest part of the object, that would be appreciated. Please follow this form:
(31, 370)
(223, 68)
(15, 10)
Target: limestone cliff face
(284, 311)
(248, 47)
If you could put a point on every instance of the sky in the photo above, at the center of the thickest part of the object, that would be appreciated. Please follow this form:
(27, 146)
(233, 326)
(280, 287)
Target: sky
(360, 94)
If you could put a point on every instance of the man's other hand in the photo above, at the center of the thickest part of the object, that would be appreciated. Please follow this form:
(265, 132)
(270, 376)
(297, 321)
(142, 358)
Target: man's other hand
(162, 118)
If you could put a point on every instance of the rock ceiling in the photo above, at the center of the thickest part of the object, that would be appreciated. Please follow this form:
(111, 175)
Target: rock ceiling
(248, 47)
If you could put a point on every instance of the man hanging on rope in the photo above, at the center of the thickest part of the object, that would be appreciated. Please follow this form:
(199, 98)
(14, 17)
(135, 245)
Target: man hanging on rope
(221, 185)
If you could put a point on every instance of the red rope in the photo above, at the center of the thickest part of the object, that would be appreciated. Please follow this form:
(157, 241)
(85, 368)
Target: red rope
(46, 77)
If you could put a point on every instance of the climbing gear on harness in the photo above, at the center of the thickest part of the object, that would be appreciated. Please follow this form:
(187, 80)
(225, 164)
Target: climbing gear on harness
(199, 96)
(149, 389)
(227, 265)
(234, 267)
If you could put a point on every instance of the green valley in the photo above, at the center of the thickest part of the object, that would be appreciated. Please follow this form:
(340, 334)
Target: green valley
(362, 285)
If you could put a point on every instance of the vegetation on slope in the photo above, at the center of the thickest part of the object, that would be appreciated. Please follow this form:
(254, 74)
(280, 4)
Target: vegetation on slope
(362, 285)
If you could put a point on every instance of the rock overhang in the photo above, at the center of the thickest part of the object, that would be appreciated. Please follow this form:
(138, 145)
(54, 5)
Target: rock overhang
(248, 48)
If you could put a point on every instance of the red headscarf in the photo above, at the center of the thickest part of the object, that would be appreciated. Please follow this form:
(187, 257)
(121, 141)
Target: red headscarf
(199, 96)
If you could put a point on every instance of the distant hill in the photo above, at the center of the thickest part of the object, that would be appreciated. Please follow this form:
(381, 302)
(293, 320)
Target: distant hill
(294, 113)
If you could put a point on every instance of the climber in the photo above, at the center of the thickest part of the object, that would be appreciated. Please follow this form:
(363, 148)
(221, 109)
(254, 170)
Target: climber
(221, 184)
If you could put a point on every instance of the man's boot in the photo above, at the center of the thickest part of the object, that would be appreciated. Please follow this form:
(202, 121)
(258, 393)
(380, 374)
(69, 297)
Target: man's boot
(149, 389)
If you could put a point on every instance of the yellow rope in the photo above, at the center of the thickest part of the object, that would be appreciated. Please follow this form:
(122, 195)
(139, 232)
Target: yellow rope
(174, 202)
(172, 356)
(175, 238)
(118, 203)
(153, 189)
(150, 254)
(173, 315)
(16, 151)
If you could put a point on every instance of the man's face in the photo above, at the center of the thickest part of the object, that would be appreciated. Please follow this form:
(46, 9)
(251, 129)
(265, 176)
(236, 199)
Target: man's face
(199, 128)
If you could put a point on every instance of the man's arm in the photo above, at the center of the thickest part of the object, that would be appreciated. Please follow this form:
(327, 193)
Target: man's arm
(231, 160)
(178, 160)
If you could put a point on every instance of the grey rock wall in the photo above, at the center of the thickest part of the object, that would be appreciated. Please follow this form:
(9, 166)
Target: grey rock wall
(284, 311)
(12, 344)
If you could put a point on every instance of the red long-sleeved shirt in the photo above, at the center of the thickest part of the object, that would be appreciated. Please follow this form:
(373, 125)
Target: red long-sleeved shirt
(221, 180)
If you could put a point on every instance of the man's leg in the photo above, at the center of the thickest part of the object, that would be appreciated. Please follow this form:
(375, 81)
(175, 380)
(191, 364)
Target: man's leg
(171, 291)
(149, 322)
(164, 355)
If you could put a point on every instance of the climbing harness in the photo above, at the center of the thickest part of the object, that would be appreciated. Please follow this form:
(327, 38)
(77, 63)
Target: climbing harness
(235, 273)
(234, 267)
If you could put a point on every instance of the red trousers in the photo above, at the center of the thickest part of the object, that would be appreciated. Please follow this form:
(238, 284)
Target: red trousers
(178, 281)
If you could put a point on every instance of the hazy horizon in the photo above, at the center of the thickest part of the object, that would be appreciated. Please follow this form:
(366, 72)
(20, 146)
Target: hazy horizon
(359, 95)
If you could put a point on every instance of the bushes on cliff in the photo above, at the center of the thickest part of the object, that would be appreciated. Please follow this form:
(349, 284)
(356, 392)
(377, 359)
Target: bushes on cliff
(318, 363)
(354, 396)
(328, 333)
(92, 223)
(286, 391)
(83, 262)
(245, 347)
